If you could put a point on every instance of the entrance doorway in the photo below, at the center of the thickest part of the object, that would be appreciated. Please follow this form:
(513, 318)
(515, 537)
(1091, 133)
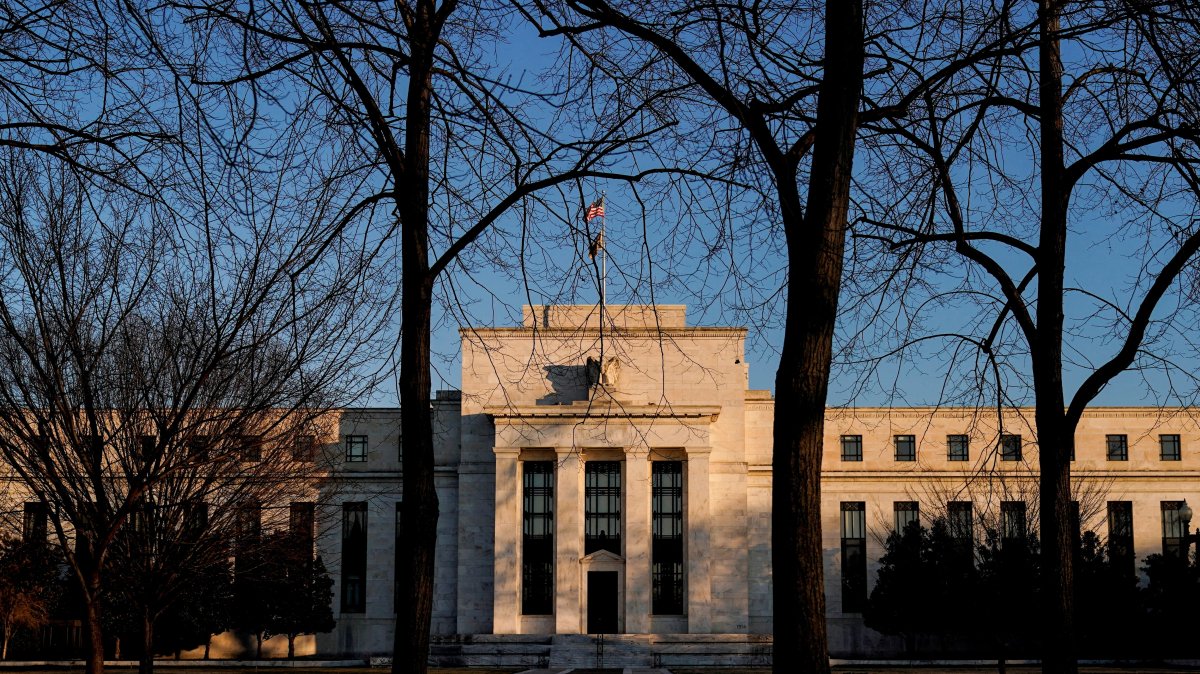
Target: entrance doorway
(602, 602)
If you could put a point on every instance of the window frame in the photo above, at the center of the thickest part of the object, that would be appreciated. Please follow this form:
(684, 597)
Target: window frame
(910, 441)
(905, 513)
(1011, 446)
(1162, 447)
(353, 442)
(537, 537)
(604, 521)
(951, 441)
(854, 556)
(668, 595)
(1116, 447)
(1120, 544)
(852, 448)
(1172, 546)
(355, 536)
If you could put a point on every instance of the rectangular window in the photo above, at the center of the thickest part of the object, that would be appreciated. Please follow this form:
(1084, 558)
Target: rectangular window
(854, 556)
(1117, 447)
(195, 520)
(602, 507)
(354, 557)
(197, 447)
(960, 522)
(1172, 529)
(251, 448)
(248, 523)
(356, 448)
(907, 512)
(906, 447)
(958, 448)
(147, 445)
(305, 449)
(302, 524)
(1010, 448)
(537, 545)
(666, 499)
(1120, 536)
(34, 523)
(852, 448)
(1169, 448)
(1012, 522)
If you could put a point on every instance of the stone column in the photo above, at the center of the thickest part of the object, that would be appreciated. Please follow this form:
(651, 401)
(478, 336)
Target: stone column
(699, 574)
(507, 602)
(637, 543)
(568, 539)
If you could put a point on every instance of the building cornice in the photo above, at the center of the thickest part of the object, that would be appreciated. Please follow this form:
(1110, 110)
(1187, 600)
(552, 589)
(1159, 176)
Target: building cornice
(587, 411)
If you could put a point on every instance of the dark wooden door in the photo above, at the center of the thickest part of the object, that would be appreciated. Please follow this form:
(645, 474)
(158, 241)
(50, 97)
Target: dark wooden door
(602, 602)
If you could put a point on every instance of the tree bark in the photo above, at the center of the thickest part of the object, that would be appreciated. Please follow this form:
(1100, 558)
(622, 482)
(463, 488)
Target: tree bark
(93, 627)
(1055, 436)
(291, 646)
(419, 515)
(816, 241)
(258, 645)
(4, 646)
(146, 662)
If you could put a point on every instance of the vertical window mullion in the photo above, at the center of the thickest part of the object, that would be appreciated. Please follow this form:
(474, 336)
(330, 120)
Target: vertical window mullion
(854, 556)
(537, 553)
(667, 534)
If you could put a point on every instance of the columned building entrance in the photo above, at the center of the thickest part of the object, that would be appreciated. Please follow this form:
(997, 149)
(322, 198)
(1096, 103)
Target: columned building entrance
(602, 505)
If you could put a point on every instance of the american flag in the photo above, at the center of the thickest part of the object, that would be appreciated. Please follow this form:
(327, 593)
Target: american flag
(596, 210)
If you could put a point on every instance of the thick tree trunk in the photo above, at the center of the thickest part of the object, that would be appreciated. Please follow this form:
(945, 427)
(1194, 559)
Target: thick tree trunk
(146, 662)
(207, 646)
(92, 625)
(4, 646)
(1055, 437)
(291, 646)
(258, 645)
(816, 241)
(419, 516)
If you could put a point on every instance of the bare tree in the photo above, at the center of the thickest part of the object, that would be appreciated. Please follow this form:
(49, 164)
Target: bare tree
(162, 372)
(1108, 138)
(442, 142)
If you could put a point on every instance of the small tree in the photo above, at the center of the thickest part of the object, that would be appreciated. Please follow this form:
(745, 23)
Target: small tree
(30, 583)
(203, 609)
(923, 577)
(1170, 600)
(301, 592)
(1106, 597)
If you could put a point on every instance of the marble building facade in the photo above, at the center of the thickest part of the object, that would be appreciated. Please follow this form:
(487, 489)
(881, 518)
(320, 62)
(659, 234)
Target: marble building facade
(618, 481)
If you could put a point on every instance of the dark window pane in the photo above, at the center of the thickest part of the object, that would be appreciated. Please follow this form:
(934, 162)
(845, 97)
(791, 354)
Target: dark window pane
(1169, 448)
(907, 512)
(1012, 521)
(854, 556)
(852, 448)
(958, 448)
(1010, 448)
(667, 530)
(1172, 528)
(251, 448)
(602, 507)
(537, 551)
(305, 449)
(1120, 536)
(354, 557)
(356, 448)
(34, 524)
(906, 448)
(960, 520)
(1117, 447)
(302, 524)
